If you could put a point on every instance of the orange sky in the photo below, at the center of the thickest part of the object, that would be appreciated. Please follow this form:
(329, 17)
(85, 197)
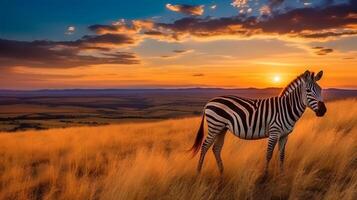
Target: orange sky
(240, 64)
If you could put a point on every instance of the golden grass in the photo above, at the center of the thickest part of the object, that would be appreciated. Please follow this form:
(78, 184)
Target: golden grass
(148, 161)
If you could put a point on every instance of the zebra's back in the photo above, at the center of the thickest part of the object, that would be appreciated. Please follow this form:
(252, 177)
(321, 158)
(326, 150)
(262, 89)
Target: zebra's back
(245, 118)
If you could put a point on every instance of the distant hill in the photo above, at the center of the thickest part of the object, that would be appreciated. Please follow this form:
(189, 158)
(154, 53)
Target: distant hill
(329, 94)
(42, 109)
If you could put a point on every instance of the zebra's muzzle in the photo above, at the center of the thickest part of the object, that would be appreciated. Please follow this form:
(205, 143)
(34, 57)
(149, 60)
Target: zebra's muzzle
(321, 109)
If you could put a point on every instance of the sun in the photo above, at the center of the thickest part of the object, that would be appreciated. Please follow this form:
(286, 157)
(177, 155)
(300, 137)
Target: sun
(277, 79)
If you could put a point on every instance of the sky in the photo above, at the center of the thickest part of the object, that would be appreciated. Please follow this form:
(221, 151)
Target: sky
(61, 44)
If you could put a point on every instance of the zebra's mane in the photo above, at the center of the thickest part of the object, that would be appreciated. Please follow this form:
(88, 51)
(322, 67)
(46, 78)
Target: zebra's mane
(292, 85)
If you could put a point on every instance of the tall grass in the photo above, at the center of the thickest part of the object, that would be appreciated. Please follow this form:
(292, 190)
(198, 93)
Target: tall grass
(149, 161)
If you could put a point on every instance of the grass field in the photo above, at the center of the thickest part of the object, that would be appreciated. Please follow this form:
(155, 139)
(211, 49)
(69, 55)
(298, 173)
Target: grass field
(149, 161)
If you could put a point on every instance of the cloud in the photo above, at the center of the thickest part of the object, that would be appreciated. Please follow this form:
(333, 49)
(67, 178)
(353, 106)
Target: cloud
(275, 3)
(327, 2)
(348, 58)
(198, 75)
(177, 53)
(313, 23)
(70, 30)
(181, 51)
(100, 48)
(115, 39)
(137, 29)
(153, 33)
(123, 27)
(328, 34)
(307, 3)
(265, 10)
(309, 19)
(204, 27)
(186, 9)
(240, 3)
(104, 46)
(66, 53)
(322, 51)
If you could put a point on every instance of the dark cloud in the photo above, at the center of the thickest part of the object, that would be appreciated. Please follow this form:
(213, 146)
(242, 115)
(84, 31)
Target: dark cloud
(322, 51)
(186, 9)
(327, 2)
(309, 19)
(204, 27)
(198, 75)
(98, 48)
(160, 35)
(308, 22)
(328, 34)
(117, 39)
(98, 28)
(179, 51)
(65, 53)
(275, 3)
(133, 28)
(153, 33)
(166, 56)
(301, 22)
(123, 27)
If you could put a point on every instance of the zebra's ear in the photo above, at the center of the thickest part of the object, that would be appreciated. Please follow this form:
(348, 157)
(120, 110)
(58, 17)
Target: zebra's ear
(306, 74)
(318, 75)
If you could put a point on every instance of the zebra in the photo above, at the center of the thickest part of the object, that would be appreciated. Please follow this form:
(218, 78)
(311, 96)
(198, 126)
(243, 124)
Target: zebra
(250, 119)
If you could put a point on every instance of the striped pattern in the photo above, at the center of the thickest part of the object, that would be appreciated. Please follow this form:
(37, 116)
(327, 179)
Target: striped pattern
(249, 119)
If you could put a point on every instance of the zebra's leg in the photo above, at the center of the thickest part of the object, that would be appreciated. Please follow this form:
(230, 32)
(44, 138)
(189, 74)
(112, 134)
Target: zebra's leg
(273, 138)
(205, 146)
(217, 148)
(282, 143)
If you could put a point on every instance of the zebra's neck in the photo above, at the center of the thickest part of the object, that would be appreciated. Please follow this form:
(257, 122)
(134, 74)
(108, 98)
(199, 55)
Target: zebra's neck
(293, 102)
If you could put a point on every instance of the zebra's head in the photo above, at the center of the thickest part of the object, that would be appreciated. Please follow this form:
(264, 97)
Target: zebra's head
(313, 95)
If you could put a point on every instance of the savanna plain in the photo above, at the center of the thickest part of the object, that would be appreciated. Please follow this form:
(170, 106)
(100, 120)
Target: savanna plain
(149, 160)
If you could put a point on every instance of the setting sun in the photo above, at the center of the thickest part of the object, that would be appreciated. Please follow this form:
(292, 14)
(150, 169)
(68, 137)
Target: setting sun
(277, 79)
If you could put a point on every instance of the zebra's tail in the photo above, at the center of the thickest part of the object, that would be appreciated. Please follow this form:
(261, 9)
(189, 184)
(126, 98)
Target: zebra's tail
(199, 137)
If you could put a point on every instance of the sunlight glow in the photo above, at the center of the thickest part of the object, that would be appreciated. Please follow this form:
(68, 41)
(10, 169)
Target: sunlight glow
(276, 79)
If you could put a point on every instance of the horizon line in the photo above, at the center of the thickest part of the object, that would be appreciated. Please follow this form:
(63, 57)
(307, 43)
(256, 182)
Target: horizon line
(160, 88)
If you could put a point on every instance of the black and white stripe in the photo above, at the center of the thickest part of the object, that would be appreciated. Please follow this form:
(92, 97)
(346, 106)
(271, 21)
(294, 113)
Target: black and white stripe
(249, 119)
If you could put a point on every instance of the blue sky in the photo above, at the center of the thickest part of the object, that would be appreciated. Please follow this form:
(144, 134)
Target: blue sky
(48, 19)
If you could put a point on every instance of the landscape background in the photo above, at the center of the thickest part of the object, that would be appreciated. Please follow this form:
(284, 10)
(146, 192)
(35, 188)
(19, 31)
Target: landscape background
(43, 109)
(101, 99)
